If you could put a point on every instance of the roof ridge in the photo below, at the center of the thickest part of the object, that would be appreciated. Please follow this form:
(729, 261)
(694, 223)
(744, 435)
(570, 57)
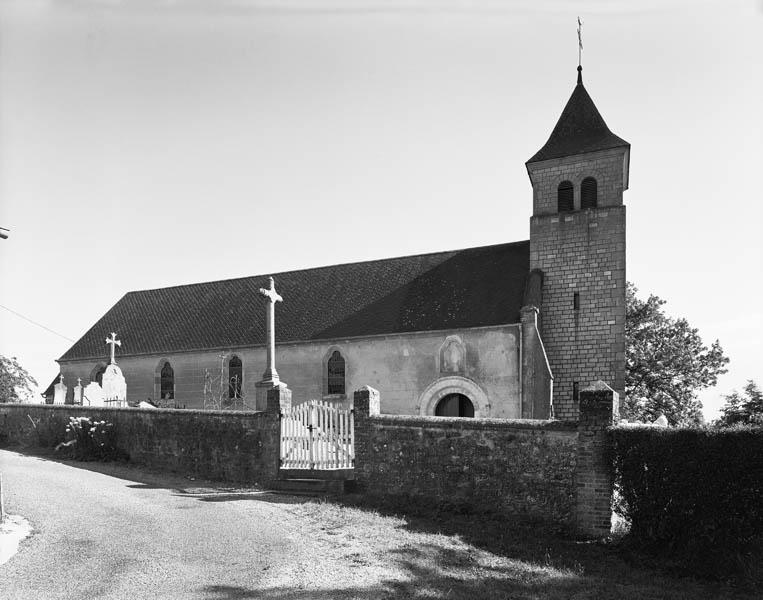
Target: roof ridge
(330, 266)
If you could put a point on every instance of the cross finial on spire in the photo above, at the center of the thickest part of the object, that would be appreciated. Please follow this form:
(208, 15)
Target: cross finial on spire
(580, 44)
(114, 342)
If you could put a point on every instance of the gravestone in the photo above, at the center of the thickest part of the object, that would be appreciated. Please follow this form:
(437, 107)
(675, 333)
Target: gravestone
(92, 395)
(78, 392)
(59, 391)
(113, 382)
(114, 386)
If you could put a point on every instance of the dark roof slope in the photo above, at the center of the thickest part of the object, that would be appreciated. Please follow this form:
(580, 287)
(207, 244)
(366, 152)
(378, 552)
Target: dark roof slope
(50, 390)
(443, 290)
(580, 129)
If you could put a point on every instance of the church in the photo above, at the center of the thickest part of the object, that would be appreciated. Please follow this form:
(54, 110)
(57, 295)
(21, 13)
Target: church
(510, 331)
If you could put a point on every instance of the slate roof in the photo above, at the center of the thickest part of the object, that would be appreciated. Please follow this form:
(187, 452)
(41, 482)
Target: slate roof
(50, 390)
(580, 129)
(443, 290)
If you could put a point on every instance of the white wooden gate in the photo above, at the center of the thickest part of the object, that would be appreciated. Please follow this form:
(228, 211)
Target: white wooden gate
(317, 435)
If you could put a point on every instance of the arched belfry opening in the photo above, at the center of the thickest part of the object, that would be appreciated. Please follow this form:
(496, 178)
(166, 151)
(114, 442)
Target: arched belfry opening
(565, 197)
(588, 193)
(454, 405)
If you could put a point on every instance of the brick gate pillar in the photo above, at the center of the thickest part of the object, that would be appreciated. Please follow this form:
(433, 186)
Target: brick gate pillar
(366, 402)
(599, 410)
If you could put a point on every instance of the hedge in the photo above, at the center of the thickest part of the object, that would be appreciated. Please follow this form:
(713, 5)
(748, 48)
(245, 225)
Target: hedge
(694, 495)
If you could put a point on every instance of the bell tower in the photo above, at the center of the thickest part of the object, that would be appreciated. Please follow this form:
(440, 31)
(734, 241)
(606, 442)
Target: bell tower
(577, 240)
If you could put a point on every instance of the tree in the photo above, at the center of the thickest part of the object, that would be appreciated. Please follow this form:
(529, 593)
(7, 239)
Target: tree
(16, 384)
(743, 409)
(221, 393)
(666, 363)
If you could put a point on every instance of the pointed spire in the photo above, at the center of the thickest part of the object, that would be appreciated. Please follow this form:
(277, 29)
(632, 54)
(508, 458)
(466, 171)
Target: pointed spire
(579, 129)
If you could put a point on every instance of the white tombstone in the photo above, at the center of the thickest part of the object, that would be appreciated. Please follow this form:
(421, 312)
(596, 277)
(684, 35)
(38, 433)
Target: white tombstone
(78, 391)
(59, 391)
(92, 395)
(114, 386)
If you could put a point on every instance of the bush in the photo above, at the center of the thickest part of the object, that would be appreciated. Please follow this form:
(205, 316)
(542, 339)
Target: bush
(694, 495)
(90, 440)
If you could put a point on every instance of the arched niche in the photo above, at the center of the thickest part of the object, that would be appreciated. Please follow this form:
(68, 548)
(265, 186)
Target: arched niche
(452, 356)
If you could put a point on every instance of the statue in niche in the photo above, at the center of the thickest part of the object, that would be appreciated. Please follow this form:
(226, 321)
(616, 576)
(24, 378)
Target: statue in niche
(452, 357)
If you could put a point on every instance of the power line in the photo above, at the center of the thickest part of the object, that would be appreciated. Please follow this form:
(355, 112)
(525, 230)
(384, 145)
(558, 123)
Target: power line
(10, 310)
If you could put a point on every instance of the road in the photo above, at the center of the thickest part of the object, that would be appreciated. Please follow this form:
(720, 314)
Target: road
(97, 535)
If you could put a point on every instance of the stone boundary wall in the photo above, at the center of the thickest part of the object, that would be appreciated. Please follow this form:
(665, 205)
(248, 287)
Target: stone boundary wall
(223, 445)
(552, 471)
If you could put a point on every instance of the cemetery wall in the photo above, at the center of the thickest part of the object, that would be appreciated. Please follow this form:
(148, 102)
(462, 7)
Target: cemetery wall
(509, 467)
(552, 471)
(400, 366)
(231, 446)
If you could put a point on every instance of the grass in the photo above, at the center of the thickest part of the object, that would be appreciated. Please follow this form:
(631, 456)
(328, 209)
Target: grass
(428, 553)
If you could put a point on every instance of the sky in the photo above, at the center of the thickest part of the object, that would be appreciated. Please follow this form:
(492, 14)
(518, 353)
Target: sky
(153, 143)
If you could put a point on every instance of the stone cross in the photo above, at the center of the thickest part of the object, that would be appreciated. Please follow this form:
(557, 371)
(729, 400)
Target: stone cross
(272, 297)
(114, 342)
(79, 381)
(61, 378)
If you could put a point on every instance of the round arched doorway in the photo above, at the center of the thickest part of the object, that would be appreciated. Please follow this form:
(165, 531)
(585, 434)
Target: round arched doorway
(454, 405)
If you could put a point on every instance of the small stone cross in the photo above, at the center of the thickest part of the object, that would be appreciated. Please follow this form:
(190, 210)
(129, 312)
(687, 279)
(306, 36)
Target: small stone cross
(114, 342)
(61, 378)
(79, 381)
(272, 297)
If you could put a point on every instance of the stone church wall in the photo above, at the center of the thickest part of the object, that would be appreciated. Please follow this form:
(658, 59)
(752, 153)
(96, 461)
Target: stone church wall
(401, 366)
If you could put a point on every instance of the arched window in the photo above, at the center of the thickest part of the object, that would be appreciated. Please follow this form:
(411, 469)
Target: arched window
(235, 377)
(564, 196)
(167, 384)
(588, 193)
(97, 374)
(336, 373)
(454, 405)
